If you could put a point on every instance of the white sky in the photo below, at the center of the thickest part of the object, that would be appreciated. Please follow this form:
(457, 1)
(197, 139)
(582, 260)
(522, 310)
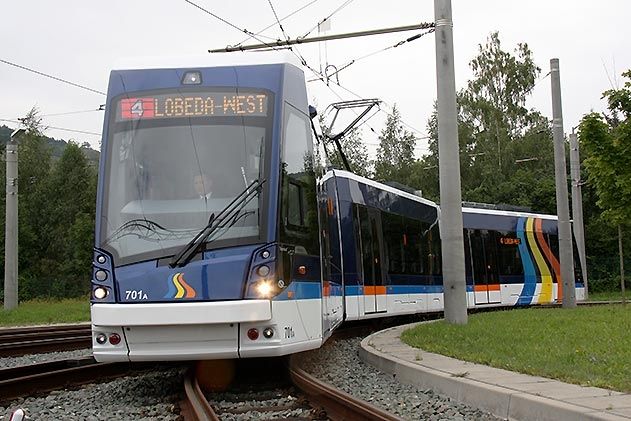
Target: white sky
(80, 41)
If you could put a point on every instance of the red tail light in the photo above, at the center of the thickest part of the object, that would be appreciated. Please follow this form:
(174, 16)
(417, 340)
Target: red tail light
(253, 334)
(115, 339)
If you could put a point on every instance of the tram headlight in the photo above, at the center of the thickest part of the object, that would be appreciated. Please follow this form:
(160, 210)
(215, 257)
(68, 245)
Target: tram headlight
(268, 332)
(100, 293)
(263, 270)
(101, 338)
(100, 275)
(264, 289)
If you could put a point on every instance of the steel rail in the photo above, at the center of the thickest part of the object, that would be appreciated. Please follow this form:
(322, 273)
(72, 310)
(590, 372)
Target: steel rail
(195, 406)
(44, 377)
(338, 405)
(27, 340)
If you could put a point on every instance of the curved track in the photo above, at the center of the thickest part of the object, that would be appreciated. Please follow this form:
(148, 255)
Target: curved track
(30, 340)
(195, 406)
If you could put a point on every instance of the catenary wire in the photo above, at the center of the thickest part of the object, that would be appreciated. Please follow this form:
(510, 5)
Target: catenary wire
(381, 50)
(51, 77)
(274, 23)
(55, 128)
(280, 25)
(346, 3)
(255, 36)
(101, 108)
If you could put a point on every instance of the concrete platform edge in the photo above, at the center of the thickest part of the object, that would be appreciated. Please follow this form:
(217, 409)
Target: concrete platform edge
(496, 399)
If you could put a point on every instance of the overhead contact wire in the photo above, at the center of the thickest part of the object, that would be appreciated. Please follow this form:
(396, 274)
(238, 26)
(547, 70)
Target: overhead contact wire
(52, 77)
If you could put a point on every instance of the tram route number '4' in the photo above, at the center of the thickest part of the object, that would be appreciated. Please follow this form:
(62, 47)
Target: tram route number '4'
(135, 294)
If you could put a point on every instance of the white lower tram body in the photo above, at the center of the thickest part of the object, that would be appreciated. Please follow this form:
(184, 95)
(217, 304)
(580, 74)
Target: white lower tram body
(400, 304)
(205, 330)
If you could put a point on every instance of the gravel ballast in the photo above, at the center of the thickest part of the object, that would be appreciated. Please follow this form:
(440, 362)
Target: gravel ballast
(155, 395)
(338, 364)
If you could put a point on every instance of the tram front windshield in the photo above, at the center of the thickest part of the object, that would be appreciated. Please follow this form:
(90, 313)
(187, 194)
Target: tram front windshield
(172, 161)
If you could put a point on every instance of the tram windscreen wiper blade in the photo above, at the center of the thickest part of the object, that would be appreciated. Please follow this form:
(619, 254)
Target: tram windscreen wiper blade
(215, 222)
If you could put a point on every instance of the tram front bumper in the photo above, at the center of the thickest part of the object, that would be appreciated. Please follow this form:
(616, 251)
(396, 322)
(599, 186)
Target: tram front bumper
(173, 331)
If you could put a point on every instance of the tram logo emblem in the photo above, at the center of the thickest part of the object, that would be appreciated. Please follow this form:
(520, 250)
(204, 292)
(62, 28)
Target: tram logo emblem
(178, 288)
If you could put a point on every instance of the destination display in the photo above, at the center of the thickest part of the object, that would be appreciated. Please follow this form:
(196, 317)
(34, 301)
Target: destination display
(198, 104)
(509, 241)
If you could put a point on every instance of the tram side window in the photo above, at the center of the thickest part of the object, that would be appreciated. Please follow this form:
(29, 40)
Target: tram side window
(511, 268)
(395, 241)
(299, 224)
(414, 246)
(433, 254)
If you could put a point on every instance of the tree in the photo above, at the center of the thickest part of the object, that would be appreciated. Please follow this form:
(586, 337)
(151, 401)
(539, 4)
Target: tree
(71, 191)
(34, 167)
(506, 150)
(607, 141)
(395, 154)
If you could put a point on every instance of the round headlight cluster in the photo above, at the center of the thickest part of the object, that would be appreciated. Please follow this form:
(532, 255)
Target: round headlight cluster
(263, 270)
(100, 293)
(100, 275)
(101, 259)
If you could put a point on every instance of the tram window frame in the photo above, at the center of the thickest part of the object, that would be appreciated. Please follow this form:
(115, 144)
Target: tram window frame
(302, 230)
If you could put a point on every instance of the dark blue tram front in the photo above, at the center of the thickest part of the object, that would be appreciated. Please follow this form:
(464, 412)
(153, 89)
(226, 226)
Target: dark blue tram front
(207, 242)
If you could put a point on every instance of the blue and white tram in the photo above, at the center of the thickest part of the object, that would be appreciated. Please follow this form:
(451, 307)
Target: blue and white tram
(218, 236)
(391, 259)
(207, 243)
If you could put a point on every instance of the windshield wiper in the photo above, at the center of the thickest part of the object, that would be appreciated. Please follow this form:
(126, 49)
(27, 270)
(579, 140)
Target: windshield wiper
(224, 219)
(133, 227)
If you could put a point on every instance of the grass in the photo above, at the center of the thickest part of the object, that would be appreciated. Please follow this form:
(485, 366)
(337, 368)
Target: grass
(40, 312)
(609, 295)
(590, 346)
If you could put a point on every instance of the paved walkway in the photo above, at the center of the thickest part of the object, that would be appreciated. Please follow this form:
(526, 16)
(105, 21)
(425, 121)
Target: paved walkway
(501, 392)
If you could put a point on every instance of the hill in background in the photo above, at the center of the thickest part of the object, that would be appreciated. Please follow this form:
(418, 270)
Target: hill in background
(57, 146)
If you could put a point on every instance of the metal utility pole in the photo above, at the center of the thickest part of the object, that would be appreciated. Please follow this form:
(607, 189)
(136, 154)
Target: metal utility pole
(560, 172)
(451, 230)
(577, 206)
(11, 224)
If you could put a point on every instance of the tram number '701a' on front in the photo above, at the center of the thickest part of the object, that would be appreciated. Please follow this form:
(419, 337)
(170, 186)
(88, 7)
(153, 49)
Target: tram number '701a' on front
(135, 294)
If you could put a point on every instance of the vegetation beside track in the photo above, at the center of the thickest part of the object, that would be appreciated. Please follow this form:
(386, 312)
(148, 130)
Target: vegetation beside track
(608, 296)
(590, 346)
(39, 312)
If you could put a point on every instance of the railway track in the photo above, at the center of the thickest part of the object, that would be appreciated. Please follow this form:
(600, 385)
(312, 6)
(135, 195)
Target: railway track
(293, 393)
(31, 340)
(34, 379)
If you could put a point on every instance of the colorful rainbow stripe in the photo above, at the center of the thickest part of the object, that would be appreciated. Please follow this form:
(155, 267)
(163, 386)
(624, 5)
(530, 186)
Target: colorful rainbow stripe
(538, 261)
(178, 288)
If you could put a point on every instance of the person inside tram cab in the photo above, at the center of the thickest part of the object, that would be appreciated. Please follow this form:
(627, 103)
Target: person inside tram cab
(203, 184)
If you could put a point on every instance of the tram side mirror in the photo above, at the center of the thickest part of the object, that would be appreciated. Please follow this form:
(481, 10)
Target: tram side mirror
(312, 111)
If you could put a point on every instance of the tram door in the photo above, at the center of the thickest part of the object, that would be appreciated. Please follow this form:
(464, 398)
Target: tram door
(486, 286)
(375, 299)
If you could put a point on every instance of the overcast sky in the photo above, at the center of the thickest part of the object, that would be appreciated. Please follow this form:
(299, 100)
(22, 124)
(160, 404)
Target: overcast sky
(81, 40)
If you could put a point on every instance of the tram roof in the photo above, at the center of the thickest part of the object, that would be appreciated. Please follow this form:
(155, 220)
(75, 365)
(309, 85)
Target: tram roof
(508, 213)
(381, 186)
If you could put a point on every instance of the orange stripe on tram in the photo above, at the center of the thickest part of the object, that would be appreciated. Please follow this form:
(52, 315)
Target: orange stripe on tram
(484, 288)
(374, 290)
(190, 292)
(550, 256)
